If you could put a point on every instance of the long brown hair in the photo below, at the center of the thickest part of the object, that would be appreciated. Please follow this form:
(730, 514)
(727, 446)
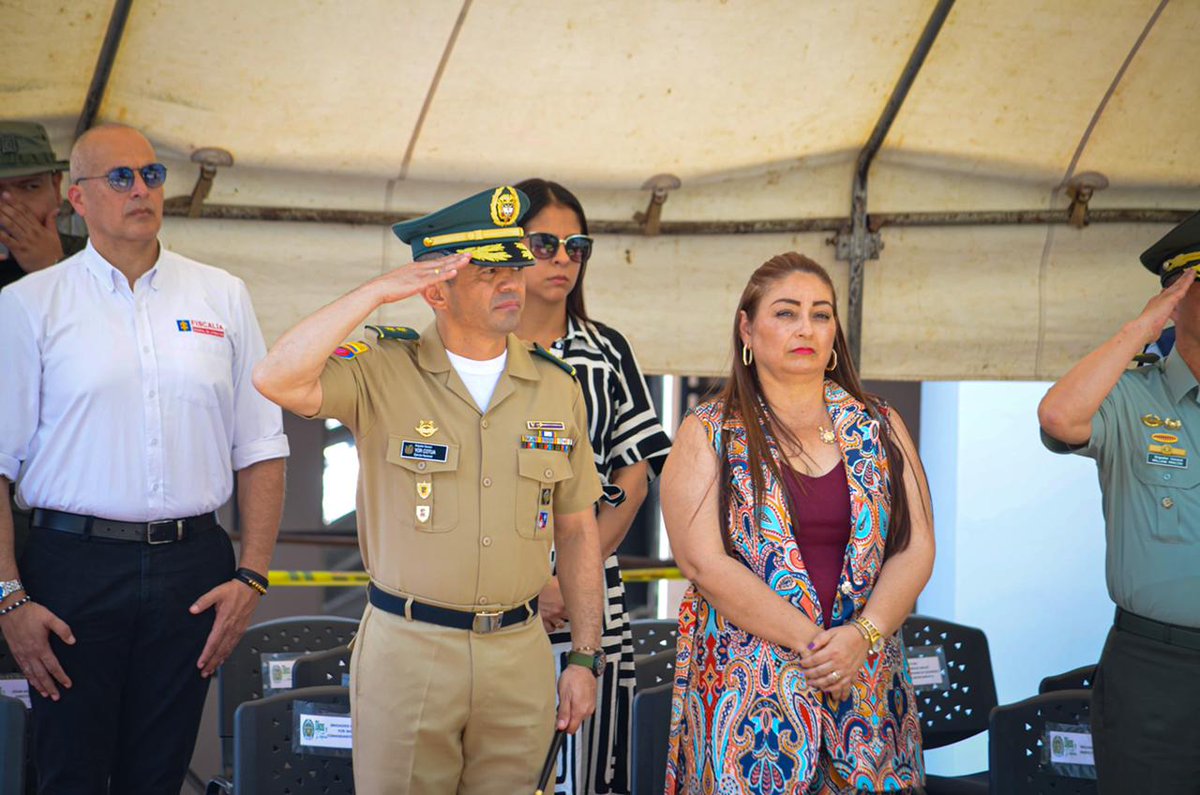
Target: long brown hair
(543, 193)
(742, 398)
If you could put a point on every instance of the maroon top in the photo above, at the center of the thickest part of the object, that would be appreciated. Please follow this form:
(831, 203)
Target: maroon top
(821, 525)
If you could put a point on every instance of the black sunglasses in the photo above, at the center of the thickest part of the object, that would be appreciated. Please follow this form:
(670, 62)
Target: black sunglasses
(121, 178)
(545, 245)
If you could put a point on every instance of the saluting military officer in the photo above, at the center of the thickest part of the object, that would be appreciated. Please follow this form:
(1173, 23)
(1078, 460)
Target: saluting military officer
(474, 458)
(1143, 426)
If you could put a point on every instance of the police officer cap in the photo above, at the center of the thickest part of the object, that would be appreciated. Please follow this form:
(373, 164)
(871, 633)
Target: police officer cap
(486, 224)
(25, 150)
(1176, 252)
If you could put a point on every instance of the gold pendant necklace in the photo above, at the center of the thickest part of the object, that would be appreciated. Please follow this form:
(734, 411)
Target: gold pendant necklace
(826, 434)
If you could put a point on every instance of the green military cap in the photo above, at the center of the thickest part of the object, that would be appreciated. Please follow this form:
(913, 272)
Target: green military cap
(1178, 250)
(25, 150)
(486, 224)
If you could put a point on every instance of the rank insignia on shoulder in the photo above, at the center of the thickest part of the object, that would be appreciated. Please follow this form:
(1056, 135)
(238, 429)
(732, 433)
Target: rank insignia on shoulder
(395, 333)
(538, 350)
(350, 350)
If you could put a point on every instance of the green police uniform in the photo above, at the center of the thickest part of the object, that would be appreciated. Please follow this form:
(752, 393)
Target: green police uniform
(1146, 703)
(452, 678)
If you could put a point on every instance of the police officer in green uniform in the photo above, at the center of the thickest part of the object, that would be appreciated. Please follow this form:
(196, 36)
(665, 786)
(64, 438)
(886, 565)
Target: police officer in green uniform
(1143, 426)
(474, 458)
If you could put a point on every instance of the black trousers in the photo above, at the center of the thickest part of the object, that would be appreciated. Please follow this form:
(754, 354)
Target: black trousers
(128, 723)
(1146, 717)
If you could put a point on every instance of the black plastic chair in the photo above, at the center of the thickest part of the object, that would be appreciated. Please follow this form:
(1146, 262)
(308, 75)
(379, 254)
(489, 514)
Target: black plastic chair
(651, 730)
(653, 670)
(957, 707)
(12, 746)
(240, 679)
(652, 636)
(1080, 678)
(265, 761)
(1018, 756)
(322, 668)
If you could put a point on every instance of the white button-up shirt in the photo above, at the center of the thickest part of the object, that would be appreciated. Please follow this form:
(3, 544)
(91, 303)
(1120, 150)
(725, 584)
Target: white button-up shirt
(133, 405)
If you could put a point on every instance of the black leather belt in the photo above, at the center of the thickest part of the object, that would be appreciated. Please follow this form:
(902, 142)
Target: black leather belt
(162, 532)
(481, 622)
(1171, 634)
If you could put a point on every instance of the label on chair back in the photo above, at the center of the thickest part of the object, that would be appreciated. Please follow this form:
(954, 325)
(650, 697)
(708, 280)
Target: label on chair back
(1067, 750)
(277, 670)
(321, 729)
(927, 666)
(16, 687)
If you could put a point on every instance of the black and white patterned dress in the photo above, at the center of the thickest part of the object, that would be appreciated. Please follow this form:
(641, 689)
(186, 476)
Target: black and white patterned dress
(624, 429)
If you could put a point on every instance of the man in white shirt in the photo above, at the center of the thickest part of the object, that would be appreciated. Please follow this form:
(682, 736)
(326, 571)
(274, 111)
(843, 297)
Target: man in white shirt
(127, 405)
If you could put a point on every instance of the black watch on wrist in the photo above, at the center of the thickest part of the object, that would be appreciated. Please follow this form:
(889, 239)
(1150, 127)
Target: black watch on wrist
(592, 662)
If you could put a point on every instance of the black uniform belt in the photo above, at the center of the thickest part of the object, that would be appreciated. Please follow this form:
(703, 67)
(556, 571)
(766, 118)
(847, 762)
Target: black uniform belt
(162, 532)
(481, 622)
(1171, 634)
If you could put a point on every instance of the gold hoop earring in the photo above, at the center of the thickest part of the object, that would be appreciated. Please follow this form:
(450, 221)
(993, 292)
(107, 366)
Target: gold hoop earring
(747, 355)
(832, 366)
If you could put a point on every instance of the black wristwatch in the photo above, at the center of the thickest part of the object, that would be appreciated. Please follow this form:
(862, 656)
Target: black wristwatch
(593, 662)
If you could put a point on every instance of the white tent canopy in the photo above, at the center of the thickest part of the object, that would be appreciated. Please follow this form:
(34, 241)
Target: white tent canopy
(760, 108)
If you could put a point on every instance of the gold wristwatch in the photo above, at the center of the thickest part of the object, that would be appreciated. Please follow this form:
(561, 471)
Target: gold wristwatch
(870, 633)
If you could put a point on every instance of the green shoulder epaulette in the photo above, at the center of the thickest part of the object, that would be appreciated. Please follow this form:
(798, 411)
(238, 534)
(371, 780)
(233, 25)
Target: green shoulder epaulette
(395, 333)
(538, 350)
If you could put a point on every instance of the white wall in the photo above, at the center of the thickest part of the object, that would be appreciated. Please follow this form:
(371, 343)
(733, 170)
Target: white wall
(1020, 541)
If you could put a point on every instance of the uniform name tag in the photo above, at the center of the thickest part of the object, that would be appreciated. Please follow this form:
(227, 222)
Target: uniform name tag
(423, 451)
(1160, 460)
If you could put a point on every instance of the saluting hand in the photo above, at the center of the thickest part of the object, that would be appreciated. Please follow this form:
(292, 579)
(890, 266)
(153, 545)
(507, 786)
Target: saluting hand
(576, 697)
(27, 632)
(34, 241)
(410, 279)
(235, 603)
(1163, 307)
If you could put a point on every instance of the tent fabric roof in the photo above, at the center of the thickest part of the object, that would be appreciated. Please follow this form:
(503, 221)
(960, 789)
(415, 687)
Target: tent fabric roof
(760, 107)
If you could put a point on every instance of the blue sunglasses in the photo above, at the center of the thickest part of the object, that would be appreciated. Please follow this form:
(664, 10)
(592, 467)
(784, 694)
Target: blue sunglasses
(121, 178)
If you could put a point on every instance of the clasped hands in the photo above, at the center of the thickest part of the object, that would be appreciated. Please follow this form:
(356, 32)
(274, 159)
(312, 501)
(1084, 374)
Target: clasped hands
(832, 660)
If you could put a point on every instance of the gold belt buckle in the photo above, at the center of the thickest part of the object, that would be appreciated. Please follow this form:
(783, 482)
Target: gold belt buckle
(487, 622)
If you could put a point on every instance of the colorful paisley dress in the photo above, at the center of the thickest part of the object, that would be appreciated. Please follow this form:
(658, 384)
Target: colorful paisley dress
(743, 719)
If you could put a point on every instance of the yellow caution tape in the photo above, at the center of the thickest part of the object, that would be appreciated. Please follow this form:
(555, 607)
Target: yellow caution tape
(325, 579)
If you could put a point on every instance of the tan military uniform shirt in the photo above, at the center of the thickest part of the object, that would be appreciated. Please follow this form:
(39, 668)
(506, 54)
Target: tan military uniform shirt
(455, 508)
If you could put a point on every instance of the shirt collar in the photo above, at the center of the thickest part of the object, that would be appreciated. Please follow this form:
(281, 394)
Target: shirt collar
(1178, 376)
(432, 358)
(578, 330)
(112, 278)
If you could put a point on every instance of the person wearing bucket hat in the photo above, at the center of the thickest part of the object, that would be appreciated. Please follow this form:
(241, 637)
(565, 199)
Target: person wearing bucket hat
(30, 196)
(474, 459)
(1142, 426)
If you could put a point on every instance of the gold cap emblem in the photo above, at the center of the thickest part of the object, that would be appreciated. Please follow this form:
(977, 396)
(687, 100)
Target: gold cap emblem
(506, 206)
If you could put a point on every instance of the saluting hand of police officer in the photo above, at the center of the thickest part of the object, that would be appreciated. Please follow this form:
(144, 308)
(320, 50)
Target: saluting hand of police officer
(408, 280)
(1163, 307)
(33, 241)
(27, 632)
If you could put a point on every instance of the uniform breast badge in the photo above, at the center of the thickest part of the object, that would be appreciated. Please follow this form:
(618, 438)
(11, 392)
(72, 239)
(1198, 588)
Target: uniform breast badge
(426, 428)
(1172, 425)
(424, 489)
(1151, 420)
(423, 513)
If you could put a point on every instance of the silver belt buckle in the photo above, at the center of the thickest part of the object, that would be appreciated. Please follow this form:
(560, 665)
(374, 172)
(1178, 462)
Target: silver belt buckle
(155, 537)
(486, 623)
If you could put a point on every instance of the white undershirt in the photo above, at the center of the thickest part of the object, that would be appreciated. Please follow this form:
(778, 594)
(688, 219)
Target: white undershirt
(480, 376)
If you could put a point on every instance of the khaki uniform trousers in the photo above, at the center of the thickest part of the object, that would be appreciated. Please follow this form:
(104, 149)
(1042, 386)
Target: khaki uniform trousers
(438, 710)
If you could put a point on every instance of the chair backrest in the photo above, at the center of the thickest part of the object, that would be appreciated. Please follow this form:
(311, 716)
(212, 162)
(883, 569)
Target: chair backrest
(952, 673)
(651, 728)
(240, 679)
(12, 746)
(1042, 746)
(652, 635)
(654, 669)
(265, 756)
(1080, 678)
(322, 668)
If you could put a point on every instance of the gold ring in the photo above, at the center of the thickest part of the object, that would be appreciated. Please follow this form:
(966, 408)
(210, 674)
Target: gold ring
(437, 271)
(834, 675)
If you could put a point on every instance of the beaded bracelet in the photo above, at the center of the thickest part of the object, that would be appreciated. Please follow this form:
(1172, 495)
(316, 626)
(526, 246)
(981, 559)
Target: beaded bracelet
(24, 600)
(256, 581)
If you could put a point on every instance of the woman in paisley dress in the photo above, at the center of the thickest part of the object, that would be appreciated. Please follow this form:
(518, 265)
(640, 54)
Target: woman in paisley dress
(797, 506)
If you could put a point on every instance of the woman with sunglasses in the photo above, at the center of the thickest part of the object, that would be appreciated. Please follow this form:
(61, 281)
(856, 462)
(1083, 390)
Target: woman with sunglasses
(630, 447)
